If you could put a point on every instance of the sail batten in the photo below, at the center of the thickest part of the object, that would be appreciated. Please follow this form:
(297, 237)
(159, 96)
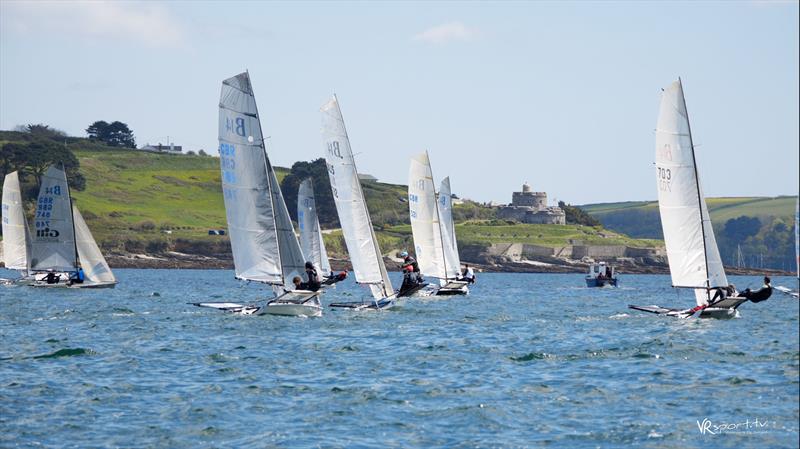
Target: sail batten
(694, 258)
(362, 245)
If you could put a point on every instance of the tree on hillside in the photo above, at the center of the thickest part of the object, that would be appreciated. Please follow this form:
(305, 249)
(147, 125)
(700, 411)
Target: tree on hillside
(13, 157)
(41, 130)
(739, 229)
(115, 134)
(576, 215)
(33, 157)
(42, 154)
(318, 171)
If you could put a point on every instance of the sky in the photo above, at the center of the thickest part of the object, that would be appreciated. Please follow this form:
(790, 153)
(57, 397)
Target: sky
(561, 95)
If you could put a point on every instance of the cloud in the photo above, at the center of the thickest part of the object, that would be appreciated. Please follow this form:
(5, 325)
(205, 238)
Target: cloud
(447, 32)
(145, 23)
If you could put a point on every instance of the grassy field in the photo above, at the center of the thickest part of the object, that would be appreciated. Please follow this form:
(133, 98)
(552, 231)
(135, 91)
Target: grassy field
(721, 209)
(494, 231)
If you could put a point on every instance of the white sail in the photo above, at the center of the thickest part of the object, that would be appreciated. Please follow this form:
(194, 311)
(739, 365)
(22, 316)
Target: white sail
(246, 185)
(362, 245)
(310, 233)
(694, 259)
(424, 216)
(292, 260)
(95, 267)
(797, 236)
(445, 205)
(53, 240)
(325, 263)
(16, 236)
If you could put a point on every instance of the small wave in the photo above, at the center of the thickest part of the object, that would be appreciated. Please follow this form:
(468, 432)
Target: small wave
(735, 380)
(66, 352)
(531, 356)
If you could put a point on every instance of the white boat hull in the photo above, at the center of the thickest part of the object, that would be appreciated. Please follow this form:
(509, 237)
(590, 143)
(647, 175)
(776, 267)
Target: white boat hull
(294, 303)
(381, 304)
(719, 313)
(453, 287)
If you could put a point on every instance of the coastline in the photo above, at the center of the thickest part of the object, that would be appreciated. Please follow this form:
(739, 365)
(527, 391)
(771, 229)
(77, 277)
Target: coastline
(192, 261)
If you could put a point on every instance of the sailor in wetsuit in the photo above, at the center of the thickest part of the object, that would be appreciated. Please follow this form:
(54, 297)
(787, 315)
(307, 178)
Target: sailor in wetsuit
(313, 283)
(761, 294)
(411, 272)
(51, 277)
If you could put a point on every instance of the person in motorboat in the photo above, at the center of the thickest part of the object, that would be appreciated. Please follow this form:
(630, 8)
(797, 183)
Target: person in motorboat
(759, 295)
(314, 280)
(468, 274)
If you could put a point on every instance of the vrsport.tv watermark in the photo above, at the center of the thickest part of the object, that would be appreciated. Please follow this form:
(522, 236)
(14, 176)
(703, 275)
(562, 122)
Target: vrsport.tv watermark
(707, 427)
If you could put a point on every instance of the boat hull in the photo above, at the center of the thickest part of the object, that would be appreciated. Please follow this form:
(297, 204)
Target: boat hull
(294, 303)
(453, 287)
(594, 282)
(381, 304)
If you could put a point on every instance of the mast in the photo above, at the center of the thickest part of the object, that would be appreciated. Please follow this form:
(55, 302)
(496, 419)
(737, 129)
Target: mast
(438, 217)
(267, 168)
(366, 209)
(72, 216)
(697, 183)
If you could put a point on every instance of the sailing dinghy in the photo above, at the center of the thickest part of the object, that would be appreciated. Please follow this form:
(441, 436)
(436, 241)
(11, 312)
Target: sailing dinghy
(16, 235)
(694, 260)
(264, 246)
(359, 237)
(63, 252)
(432, 228)
(311, 241)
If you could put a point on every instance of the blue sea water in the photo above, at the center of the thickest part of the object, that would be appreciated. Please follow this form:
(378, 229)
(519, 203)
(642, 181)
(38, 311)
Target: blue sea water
(526, 360)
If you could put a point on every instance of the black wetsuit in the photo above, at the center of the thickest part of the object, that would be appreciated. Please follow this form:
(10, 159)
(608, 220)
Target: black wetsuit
(759, 295)
(312, 283)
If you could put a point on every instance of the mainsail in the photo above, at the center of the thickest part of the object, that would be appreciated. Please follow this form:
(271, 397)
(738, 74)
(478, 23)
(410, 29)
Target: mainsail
(246, 185)
(53, 242)
(694, 259)
(445, 205)
(310, 233)
(362, 245)
(424, 215)
(94, 265)
(16, 236)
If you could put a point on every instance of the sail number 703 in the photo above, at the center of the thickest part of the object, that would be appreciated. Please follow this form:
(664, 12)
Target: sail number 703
(664, 176)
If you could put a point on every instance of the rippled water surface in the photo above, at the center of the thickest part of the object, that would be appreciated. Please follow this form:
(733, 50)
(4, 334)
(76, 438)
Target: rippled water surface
(526, 360)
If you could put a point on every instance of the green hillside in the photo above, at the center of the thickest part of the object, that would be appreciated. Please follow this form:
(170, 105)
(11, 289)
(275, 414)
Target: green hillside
(141, 202)
(721, 209)
(760, 227)
(487, 232)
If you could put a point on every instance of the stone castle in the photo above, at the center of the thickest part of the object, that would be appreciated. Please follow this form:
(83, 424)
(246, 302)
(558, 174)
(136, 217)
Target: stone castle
(531, 207)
